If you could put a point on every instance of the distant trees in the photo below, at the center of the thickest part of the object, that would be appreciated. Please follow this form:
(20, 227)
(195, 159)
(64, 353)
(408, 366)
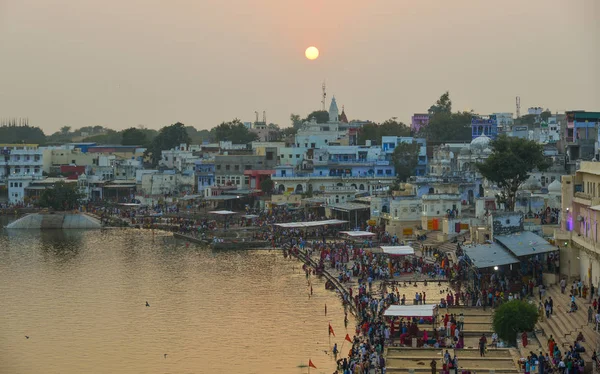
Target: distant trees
(22, 134)
(169, 137)
(509, 165)
(444, 125)
(235, 132)
(133, 136)
(321, 116)
(63, 196)
(374, 132)
(406, 159)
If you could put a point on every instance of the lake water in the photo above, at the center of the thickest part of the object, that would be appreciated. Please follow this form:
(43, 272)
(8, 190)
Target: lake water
(80, 297)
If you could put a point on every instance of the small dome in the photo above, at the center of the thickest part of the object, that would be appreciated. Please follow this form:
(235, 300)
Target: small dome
(465, 151)
(554, 186)
(481, 142)
(531, 184)
(487, 151)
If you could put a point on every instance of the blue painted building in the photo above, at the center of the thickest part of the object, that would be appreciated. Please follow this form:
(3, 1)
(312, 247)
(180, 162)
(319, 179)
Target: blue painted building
(484, 125)
(205, 174)
(352, 161)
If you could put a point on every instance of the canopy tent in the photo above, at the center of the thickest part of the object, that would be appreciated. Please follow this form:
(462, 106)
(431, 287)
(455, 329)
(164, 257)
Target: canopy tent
(358, 234)
(525, 243)
(311, 223)
(250, 216)
(489, 255)
(427, 310)
(222, 212)
(398, 250)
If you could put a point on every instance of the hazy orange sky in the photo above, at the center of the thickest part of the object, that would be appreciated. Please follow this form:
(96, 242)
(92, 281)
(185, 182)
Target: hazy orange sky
(122, 63)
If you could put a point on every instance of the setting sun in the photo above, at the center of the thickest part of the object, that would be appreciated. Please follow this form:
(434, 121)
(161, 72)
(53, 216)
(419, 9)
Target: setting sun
(311, 53)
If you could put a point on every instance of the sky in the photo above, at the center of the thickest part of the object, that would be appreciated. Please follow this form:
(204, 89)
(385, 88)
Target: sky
(125, 63)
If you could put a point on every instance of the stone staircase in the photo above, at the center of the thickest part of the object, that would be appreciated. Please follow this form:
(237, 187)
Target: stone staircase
(404, 360)
(564, 327)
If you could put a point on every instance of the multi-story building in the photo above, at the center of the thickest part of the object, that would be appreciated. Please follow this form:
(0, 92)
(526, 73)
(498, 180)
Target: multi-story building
(205, 173)
(580, 212)
(389, 143)
(484, 125)
(19, 165)
(418, 121)
(231, 169)
(438, 206)
(351, 161)
(168, 182)
(505, 121)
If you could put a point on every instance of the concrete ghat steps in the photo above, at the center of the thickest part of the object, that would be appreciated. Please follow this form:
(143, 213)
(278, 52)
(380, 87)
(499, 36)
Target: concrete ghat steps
(565, 327)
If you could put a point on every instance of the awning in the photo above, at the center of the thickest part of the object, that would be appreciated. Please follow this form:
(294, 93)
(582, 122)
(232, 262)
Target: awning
(357, 234)
(250, 216)
(595, 207)
(220, 197)
(398, 250)
(427, 310)
(489, 255)
(347, 207)
(222, 212)
(525, 243)
(310, 223)
(191, 197)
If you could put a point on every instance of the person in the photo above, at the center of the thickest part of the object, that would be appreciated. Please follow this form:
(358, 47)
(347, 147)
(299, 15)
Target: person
(455, 364)
(551, 303)
(482, 343)
(590, 314)
(335, 350)
(524, 339)
(563, 285)
(433, 365)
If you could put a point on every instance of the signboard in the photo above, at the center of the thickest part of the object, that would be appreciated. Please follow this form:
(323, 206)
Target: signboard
(371, 222)
(407, 231)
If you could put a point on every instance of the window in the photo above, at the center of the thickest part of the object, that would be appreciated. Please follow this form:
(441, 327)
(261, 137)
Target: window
(36, 170)
(227, 167)
(246, 180)
(237, 167)
(20, 184)
(73, 162)
(248, 167)
(218, 167)
(290, 155)
(17, 170)
(11, 184)
(297, 156)
(312, 145)
(269, 156)
(27, 171)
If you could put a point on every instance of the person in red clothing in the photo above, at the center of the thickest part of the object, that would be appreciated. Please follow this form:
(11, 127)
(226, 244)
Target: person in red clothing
(524, 339)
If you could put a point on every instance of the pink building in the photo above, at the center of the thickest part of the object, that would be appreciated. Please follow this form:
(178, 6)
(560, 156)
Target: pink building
(418, 120)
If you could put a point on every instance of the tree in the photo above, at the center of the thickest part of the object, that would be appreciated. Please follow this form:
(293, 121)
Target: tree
(169, 137)
(406, 159)
(296, 121)
(133, 136)
(374, 132)
(267, 185)
(527, 119)
(22, 134)
(442, 105)
(235, 132)
(65, 130)
(510, 163)
(63, 196)
(321, 116)
(446, 126)
(513, 317)
(545, 115)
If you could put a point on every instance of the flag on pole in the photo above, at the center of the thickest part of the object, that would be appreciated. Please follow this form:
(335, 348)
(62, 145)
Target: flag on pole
(310, 364)
(331, 330)
(348, 338)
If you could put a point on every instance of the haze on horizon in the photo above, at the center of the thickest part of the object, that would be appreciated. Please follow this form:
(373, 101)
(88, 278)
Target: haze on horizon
(124, 63)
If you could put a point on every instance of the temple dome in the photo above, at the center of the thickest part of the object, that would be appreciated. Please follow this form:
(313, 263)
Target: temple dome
(481, 142)
(554, 186)
(531, 184)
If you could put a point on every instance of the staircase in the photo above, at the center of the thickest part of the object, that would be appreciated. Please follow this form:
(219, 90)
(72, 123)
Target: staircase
(564, 327)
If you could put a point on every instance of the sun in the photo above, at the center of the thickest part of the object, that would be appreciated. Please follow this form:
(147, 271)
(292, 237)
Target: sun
(311, 53)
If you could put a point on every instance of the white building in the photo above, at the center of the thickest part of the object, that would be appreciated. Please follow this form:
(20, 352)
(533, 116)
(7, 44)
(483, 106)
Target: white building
(16, 187)
(21, 160)
(505, 121)
(168, 182)
(437, 206)
(181, 158)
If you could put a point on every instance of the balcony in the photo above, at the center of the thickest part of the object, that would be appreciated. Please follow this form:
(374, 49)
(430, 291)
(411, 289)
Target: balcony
(340, 189)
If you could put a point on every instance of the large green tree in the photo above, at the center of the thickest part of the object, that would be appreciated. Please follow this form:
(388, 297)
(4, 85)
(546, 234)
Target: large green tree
(296, 121)
(444, 125)
(62, 196)
(374, 132)
(235, 132)
(321, 116)
(169, 137)
(133, 136)
(267, 185)
(513, 317)
(509, 165)
(406, 159)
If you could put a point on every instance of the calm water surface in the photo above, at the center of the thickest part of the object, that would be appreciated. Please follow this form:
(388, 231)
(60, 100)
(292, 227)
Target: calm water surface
(80, 297)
